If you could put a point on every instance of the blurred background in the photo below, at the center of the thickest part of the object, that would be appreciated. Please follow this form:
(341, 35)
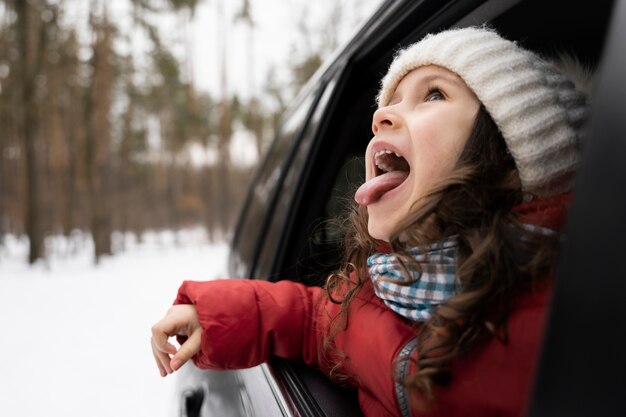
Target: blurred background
(129, 132)
(137, 115)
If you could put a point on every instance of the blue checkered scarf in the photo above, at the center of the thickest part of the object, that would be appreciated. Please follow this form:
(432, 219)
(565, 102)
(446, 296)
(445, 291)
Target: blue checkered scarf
(416, 296)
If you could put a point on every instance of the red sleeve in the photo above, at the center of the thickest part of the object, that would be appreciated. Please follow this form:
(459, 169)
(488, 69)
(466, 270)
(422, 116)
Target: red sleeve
(245, 322)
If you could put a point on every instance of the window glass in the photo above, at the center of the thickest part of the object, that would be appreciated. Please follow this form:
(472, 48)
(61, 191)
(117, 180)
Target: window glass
(264, 188)
(284, 204)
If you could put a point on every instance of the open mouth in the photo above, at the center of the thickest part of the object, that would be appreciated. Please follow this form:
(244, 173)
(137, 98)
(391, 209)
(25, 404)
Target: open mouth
(391, 170)
(389, 161)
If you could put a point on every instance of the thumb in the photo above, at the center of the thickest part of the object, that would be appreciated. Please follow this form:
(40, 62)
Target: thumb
(187, 350)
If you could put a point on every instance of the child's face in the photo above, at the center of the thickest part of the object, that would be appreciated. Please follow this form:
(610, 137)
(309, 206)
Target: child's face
(427, 122)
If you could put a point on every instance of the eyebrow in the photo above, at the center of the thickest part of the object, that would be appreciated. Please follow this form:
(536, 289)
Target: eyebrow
(430, 78)
(442, 77)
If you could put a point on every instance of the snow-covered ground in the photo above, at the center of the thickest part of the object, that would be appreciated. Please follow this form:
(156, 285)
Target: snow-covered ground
(75, 337)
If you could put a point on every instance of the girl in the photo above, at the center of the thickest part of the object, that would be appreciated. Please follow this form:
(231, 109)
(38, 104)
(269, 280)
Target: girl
(439, 306)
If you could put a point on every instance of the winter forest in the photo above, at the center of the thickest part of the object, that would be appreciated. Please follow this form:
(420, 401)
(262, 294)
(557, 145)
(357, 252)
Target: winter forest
(129, 133)
(106, 124)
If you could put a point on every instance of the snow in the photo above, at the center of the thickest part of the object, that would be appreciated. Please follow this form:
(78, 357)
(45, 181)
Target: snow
(76, 336)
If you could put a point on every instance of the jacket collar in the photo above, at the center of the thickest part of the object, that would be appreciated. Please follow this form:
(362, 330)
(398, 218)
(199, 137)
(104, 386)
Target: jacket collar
(548, 212)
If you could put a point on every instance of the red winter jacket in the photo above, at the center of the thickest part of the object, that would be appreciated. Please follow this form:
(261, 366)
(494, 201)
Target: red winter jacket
(245, 322)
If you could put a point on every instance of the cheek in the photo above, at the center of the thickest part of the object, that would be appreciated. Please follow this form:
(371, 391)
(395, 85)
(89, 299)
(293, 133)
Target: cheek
(368, 168)
(438, 149)
(436, 155)
(450, 142)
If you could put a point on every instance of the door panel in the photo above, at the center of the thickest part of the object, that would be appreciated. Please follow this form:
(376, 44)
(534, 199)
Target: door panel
(583, 367)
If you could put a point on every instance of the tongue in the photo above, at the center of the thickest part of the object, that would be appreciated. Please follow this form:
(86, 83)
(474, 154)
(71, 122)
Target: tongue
(373, 190)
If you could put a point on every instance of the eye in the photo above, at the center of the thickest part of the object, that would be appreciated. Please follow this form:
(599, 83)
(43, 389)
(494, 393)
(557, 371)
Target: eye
(434, 94)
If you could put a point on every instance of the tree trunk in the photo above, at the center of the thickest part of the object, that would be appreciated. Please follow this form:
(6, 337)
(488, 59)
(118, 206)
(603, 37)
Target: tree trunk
(224, 130)
(74, 134)
(2, 188)
(70, 178)
(224, 165)
(30, 46)
(97, 139)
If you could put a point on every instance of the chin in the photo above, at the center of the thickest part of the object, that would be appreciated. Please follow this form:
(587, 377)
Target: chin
(377, 232)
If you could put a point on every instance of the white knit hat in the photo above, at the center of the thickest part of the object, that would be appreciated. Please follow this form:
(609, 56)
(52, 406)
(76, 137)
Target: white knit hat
(537, 109)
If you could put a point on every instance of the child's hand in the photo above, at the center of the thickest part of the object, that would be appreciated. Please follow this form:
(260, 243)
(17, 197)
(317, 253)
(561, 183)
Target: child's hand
(180, 320)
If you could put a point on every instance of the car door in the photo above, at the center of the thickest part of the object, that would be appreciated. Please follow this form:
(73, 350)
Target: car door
(583, 367)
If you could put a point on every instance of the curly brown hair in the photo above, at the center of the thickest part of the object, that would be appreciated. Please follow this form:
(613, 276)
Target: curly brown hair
(498, 257)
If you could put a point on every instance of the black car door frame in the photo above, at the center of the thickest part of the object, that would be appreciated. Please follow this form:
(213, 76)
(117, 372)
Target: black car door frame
(582, 371)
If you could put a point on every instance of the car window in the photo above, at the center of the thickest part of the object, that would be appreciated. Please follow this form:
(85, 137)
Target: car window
(248, 236)
(313, 243)
(289, 189)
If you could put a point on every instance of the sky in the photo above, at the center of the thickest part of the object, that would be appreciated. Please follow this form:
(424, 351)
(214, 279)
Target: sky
(275, 36)
(198, 39)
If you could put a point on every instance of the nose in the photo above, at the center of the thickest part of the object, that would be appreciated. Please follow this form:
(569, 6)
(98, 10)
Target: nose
(383, 117)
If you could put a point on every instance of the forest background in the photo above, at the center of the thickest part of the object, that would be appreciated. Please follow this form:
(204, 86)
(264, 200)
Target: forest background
(108, 124)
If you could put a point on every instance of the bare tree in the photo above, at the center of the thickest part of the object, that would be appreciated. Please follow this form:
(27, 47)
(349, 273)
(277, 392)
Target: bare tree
(71, 99)
(98, 133)
(252, 119)
(224, 127)
(30, 34)
(78, 134)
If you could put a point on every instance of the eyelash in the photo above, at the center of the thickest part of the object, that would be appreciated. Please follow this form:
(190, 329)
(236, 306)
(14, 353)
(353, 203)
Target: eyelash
(433, 90)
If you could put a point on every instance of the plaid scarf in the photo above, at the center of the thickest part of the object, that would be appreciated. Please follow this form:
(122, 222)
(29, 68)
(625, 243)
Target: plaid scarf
(416, 296)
